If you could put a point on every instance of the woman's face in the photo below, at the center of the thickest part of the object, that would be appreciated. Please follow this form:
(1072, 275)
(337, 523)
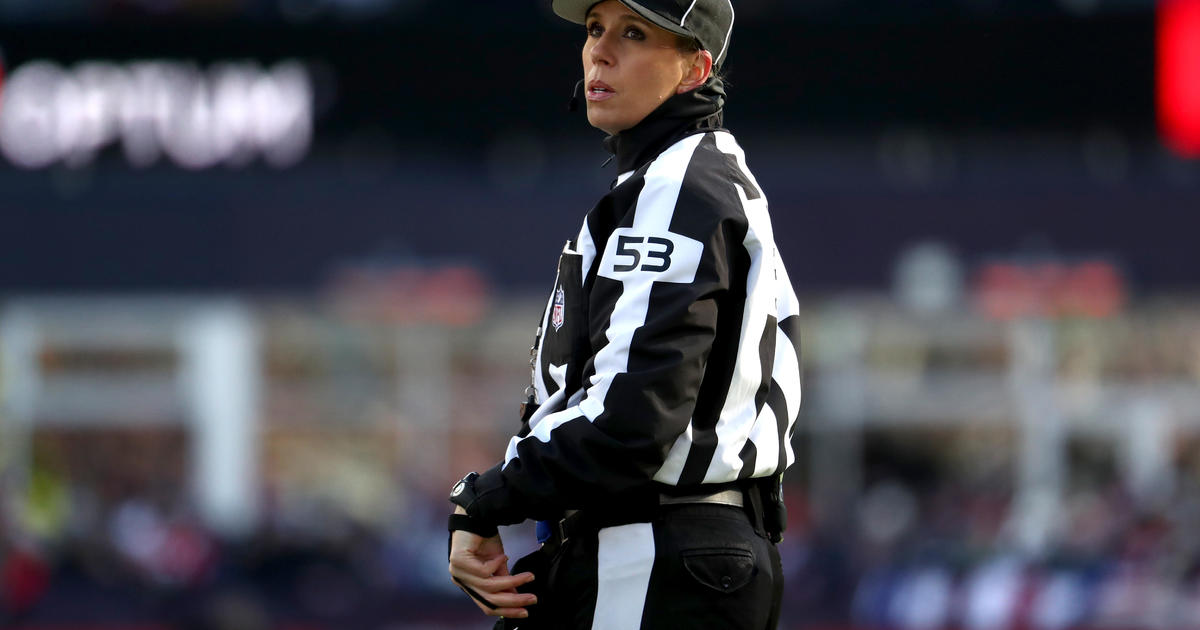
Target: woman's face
(630, 67)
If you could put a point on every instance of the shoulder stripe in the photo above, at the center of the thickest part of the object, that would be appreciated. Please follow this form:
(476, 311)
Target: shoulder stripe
(655, 207)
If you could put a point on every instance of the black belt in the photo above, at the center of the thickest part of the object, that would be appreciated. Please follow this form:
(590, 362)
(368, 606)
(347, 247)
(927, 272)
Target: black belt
(577, 522)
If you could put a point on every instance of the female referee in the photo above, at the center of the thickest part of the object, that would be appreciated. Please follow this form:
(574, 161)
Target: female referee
(666, 378)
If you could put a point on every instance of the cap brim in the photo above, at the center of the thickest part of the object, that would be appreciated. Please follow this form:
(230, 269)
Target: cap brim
(577, 10)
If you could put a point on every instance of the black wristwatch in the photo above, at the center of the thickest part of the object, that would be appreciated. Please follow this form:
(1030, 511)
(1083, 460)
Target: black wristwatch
(463, 494)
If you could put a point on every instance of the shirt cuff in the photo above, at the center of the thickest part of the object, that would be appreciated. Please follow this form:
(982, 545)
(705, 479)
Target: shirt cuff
(494, 500)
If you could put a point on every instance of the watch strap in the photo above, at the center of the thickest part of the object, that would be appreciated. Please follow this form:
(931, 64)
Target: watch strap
(468, 523)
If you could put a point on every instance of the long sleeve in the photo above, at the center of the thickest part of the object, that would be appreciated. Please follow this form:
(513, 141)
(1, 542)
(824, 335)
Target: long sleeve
(679, 353)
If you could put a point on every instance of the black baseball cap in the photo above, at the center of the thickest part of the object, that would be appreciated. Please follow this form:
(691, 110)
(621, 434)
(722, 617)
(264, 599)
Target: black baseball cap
(709, 22)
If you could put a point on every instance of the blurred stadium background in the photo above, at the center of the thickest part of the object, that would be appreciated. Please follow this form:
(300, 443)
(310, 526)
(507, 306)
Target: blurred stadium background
(269, 269)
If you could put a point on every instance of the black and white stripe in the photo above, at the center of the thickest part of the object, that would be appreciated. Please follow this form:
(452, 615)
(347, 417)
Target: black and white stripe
(697, 566)
(690, 373)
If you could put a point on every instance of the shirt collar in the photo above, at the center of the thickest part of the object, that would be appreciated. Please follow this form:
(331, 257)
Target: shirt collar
(681, 115)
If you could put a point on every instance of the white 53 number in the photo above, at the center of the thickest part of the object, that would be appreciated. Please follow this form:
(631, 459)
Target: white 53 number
(667, 257)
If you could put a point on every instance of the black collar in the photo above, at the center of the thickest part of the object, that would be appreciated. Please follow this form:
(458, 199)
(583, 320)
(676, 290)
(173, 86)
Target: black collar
(679, 116)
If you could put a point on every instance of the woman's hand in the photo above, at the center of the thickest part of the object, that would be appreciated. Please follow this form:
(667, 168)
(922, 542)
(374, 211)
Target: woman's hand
(479, 564)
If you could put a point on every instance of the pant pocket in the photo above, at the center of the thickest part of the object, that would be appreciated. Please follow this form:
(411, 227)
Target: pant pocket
(723, 569)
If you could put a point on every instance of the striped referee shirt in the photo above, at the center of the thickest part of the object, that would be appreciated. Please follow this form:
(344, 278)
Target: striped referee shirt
(669, 352)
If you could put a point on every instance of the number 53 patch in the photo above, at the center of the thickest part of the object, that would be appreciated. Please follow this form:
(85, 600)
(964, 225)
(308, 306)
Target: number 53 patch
(664, 257)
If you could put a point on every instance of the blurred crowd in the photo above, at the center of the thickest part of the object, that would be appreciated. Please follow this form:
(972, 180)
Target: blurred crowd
(143, 560)
(945, 557)
(100, 525)
(909, 554)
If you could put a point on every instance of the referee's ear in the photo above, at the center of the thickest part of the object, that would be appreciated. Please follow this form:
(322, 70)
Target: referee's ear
(696, 71)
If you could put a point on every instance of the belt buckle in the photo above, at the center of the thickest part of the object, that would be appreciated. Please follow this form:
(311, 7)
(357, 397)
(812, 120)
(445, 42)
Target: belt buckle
(562, 530)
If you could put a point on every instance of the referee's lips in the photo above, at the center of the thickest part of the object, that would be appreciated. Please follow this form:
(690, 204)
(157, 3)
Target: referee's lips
(599, 91)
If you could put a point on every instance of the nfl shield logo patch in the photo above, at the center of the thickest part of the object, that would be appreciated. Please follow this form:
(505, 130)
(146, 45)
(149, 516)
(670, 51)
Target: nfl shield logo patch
(556, 314)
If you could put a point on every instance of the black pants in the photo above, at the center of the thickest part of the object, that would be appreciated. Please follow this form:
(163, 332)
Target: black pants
(695, 566)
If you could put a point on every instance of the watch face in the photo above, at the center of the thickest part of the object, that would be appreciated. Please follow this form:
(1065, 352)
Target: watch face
(458, 488)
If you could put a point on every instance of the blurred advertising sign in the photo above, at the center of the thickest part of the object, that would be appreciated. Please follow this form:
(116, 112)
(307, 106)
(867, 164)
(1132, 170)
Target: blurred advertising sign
(231, 114)
(1179, 75)
(208, 11)
(1013, 289)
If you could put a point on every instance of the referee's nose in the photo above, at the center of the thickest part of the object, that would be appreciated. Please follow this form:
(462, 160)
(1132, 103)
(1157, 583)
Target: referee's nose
(600, 51)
